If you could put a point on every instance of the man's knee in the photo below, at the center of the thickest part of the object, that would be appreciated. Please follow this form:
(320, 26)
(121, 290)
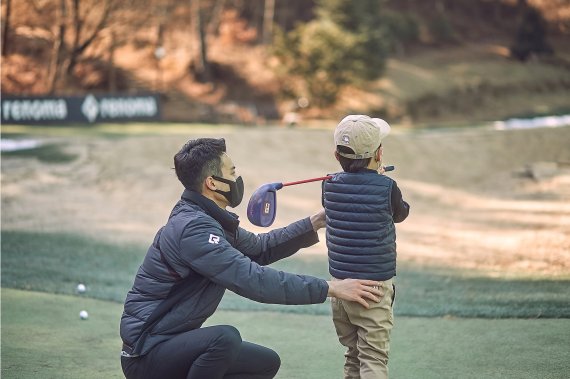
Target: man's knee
(273, 362)
(229, 338)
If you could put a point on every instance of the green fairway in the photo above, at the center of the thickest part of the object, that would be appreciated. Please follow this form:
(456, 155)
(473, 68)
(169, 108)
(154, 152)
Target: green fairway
(111, 130)
(450, 322)
(55, 263)
(47, 327)
(43, 337)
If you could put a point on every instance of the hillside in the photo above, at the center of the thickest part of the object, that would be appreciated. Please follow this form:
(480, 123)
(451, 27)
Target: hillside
(465, 76)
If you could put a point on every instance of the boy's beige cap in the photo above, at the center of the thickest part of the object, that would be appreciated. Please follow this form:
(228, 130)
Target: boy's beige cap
(362, 134)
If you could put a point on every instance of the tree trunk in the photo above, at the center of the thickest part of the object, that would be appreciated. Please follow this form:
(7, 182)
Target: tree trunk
(58, 49)
(79, 47)
(268, 15)
(440, 7)
(214, 23)
(6, 29)
(202, 63)
(77, 25)
(112, 69)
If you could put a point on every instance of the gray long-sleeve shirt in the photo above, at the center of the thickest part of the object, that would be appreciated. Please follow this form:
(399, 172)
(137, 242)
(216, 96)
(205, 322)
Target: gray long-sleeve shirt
(204, 244)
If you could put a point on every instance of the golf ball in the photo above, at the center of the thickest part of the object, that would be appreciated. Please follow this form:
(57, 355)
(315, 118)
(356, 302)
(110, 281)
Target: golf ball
(83, 315)
(81, 288)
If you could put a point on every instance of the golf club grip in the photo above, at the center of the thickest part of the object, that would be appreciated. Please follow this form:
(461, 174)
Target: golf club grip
(307, 181)
(389, 168)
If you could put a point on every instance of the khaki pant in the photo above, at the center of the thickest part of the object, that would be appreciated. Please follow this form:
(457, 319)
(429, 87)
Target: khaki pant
(366, 334)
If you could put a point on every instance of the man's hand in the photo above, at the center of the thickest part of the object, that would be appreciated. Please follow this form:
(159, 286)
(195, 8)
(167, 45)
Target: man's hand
(318, 220)
(356, 290)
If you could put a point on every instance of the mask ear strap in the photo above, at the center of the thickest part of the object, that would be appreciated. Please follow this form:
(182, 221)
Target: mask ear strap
(223, 180)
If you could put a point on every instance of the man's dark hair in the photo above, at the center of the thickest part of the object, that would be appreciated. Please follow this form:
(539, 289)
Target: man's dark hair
(197, 160)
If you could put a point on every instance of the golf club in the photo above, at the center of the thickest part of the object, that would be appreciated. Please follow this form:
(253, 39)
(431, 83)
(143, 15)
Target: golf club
(262, 206)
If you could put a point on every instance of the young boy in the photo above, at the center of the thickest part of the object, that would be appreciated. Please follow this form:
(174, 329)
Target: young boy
(361, 206)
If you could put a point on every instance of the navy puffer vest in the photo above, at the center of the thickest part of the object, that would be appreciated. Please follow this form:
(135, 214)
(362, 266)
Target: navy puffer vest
(361, 236)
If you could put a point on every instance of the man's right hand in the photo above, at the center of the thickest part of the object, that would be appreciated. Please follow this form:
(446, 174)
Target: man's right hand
(356, 290)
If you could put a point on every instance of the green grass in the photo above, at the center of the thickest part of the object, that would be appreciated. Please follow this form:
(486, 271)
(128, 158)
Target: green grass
(442, 69)
(474, 82)
(43, 337)
(112, 130)
(55, 263)
(49, 153)
(439, 292)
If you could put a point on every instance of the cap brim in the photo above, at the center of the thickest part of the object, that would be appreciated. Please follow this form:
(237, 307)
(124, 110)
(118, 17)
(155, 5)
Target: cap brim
(383, 126)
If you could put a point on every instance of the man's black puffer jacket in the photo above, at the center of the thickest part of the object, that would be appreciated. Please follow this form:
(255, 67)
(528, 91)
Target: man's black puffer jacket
(205, 242)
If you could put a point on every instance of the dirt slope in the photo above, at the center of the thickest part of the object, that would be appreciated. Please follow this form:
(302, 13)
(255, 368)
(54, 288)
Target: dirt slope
(474, 201)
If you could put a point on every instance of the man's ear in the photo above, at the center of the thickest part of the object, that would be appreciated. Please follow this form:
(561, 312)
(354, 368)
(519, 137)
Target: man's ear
(210, 184)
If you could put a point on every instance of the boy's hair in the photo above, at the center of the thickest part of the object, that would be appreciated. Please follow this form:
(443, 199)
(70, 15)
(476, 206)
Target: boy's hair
(197, 160)
(350, 165)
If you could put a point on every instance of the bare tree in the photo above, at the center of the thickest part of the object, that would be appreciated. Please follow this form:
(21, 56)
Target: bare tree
(268, 14)
(111, 64)
(58, 49)
(214, 22)
(6, 29)
(82, 23)
(202, 66)
(79, 46)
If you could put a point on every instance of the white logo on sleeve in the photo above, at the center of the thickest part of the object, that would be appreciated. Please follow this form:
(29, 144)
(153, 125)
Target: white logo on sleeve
(214, 239)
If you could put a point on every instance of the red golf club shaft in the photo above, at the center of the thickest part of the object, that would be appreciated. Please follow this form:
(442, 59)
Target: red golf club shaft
(307, 181)
(387, 168)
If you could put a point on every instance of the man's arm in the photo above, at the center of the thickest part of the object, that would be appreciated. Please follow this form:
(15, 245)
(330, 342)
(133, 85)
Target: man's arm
(266, 248)
(400, 208)
(204, 249)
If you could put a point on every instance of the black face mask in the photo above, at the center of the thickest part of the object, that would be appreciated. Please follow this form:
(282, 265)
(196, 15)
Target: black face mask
(235, 194)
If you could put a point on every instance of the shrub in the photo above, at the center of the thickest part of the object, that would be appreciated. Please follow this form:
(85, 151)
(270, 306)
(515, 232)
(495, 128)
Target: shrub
(441, 29)
(530, 37)
(345, 44)
(402, 29)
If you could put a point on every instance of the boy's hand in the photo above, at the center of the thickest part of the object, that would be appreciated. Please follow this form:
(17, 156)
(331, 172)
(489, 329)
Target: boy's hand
(382, 169)
(356, 290)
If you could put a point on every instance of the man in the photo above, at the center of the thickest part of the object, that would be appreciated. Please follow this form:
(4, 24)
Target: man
(199, 253)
